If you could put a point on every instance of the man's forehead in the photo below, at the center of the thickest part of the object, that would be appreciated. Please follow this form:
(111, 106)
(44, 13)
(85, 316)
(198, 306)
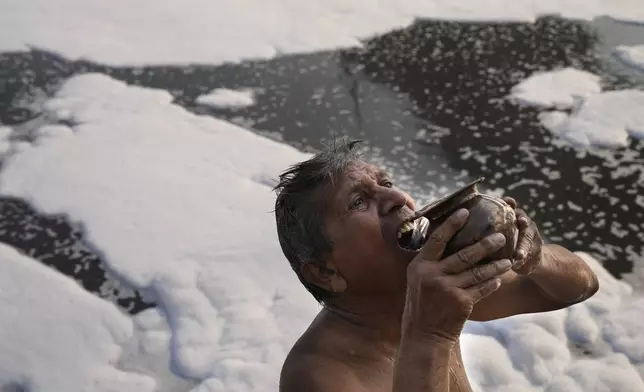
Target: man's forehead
(359, 171)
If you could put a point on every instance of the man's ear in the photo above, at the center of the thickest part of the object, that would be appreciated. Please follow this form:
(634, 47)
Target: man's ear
(325, 276)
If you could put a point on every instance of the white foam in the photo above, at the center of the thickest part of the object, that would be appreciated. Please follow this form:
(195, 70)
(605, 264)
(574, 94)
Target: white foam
(177, 203)
(597, 119)
(227, 99)
(612, 373)
(147, 352)
(531, 352)
(55, 336)
(489, 366)
(559, 89)
(602, 120)
(5, 143)
(631, 55)
(624, 331)
(4, 132)
(203, 31)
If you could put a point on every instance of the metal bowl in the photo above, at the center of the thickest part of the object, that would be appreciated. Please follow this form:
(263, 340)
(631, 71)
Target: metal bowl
(488, 215)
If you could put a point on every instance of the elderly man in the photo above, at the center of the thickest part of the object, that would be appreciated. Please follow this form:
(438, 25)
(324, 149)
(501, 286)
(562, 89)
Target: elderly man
(392, 318)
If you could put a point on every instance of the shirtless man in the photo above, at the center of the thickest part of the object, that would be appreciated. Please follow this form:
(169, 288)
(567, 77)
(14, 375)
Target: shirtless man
(391, 319)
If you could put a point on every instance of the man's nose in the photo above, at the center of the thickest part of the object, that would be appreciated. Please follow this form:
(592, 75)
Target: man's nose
(391, 199)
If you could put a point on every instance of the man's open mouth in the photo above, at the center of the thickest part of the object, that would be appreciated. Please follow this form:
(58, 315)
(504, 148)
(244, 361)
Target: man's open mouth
(412, 235)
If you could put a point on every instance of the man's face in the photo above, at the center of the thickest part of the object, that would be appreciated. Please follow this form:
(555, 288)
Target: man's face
(364, 213)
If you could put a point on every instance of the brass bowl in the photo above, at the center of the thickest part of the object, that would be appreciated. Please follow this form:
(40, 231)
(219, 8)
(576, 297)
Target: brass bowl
(488, 215)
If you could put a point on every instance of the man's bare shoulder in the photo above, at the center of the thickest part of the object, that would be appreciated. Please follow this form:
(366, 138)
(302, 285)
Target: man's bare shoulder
(318, 361)
(316, 372)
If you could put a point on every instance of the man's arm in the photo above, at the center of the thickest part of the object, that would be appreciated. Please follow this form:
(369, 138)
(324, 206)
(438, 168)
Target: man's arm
(560, 280)
(564, 277)
(422, 365)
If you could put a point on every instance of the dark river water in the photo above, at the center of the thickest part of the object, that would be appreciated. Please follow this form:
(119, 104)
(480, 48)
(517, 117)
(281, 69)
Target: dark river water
(428, 101)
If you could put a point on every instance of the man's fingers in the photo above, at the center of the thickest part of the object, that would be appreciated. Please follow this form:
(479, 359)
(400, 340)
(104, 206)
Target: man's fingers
(483, 289)
(523, 220)
(438, 239)
(526, 235)
(519, 263)
(524, 243)
(483, 273)
(511, 202)
(466, 257)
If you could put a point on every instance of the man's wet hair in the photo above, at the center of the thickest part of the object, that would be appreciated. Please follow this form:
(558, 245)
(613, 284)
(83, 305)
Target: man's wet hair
(300, 209)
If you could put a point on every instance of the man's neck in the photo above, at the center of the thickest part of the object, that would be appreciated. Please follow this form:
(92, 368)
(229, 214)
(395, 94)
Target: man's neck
(377, 320)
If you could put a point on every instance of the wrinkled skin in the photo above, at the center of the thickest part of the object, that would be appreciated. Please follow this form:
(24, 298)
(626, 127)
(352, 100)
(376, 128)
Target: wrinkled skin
(529, 247)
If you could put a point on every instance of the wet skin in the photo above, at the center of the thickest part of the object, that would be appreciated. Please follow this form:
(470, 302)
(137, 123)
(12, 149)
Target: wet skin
(353, 345)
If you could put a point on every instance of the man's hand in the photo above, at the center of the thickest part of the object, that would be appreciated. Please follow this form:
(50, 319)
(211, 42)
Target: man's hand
(440, 297)
(528, 253)
(545, 277)
(441, 293)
